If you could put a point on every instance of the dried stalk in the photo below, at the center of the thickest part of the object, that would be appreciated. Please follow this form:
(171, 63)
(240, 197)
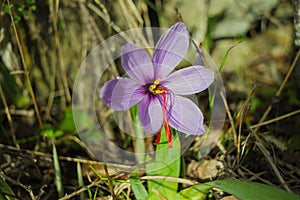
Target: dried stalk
(36, 108)
(9, 118)
(278, 93)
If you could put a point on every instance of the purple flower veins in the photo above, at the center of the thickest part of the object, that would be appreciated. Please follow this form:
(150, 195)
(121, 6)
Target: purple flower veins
(156, 90)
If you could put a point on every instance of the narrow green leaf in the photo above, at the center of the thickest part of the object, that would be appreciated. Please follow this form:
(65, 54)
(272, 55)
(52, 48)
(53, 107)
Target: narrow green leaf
(226, 55)
(167, 163)
(58, 178)
(250, 190)
(137, 187)
(80, 180)
(195, 192)
(6, 193)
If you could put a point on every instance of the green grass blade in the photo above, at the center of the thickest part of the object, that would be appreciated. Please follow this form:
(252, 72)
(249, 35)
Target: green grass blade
(250, 190)
(80, 180)
(58, 178)
(6, 193)
(226, 55)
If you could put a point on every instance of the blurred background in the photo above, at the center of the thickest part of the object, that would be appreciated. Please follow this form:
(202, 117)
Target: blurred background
(43, 43)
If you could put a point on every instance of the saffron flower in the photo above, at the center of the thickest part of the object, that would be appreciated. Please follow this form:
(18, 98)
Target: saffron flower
(159, 92)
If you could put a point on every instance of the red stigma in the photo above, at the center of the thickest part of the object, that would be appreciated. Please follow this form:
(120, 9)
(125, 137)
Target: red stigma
(166, 124)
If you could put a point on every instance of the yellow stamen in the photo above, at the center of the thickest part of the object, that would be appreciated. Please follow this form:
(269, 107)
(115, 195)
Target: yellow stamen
(159, 91)
(153, 88)
(157, 81)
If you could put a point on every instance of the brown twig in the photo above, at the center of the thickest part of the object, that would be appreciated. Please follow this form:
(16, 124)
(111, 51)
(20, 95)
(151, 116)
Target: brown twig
(241, 116)
(275, 119)
(271, 162)
(122, 187)
(9, 118)
(278, 93)
(230, 118)
(257, 176)
(48, 157)
(62, 84)
(110, 184)
(178, 14)
(168, 178)
(21, 112)
(36, 108)
(77, 192)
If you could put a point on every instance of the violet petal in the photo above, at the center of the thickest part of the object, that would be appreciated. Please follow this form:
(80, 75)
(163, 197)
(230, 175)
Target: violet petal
(137, 63)
(170, 50)
(121, 93)
(185, 116)
(189, 80)
(151, 114)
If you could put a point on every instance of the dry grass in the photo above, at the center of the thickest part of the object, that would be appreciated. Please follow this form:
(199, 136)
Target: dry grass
(51, 43)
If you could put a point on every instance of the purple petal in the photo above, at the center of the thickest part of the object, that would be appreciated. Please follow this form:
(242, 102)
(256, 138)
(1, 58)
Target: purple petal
(170, 50)
(151, 114)
(137, 63)
(185, 116)
(121, 93)
(189, 80)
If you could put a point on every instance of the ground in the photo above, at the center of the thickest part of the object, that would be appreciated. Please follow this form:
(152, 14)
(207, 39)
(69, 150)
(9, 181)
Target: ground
(43, 44)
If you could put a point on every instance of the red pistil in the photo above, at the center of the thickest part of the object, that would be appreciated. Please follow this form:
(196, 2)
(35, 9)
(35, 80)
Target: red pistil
(157, 140)
(166, 124)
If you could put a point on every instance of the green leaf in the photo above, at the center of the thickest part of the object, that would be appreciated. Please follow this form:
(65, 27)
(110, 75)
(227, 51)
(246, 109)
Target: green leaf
(67, 124)
(49, 132)
(80, 181)
(250, 190)
(226, 55)
(167, 163)
(6, 193)
(195, 192)
(20, 9)
(33, 7)
(17, 18)
(29, 2)
(137, 187)
(58, 177)
(6, 8)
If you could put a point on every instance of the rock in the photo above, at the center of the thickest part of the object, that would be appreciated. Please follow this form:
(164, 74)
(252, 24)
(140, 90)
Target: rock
(205, 169)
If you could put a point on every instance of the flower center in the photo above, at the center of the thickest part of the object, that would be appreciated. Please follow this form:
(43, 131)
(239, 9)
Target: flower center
(155, 89)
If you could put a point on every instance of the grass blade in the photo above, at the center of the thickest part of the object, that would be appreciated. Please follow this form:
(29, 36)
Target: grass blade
(80, 180)
(226, 55)
(58, 178)
(6, 193)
